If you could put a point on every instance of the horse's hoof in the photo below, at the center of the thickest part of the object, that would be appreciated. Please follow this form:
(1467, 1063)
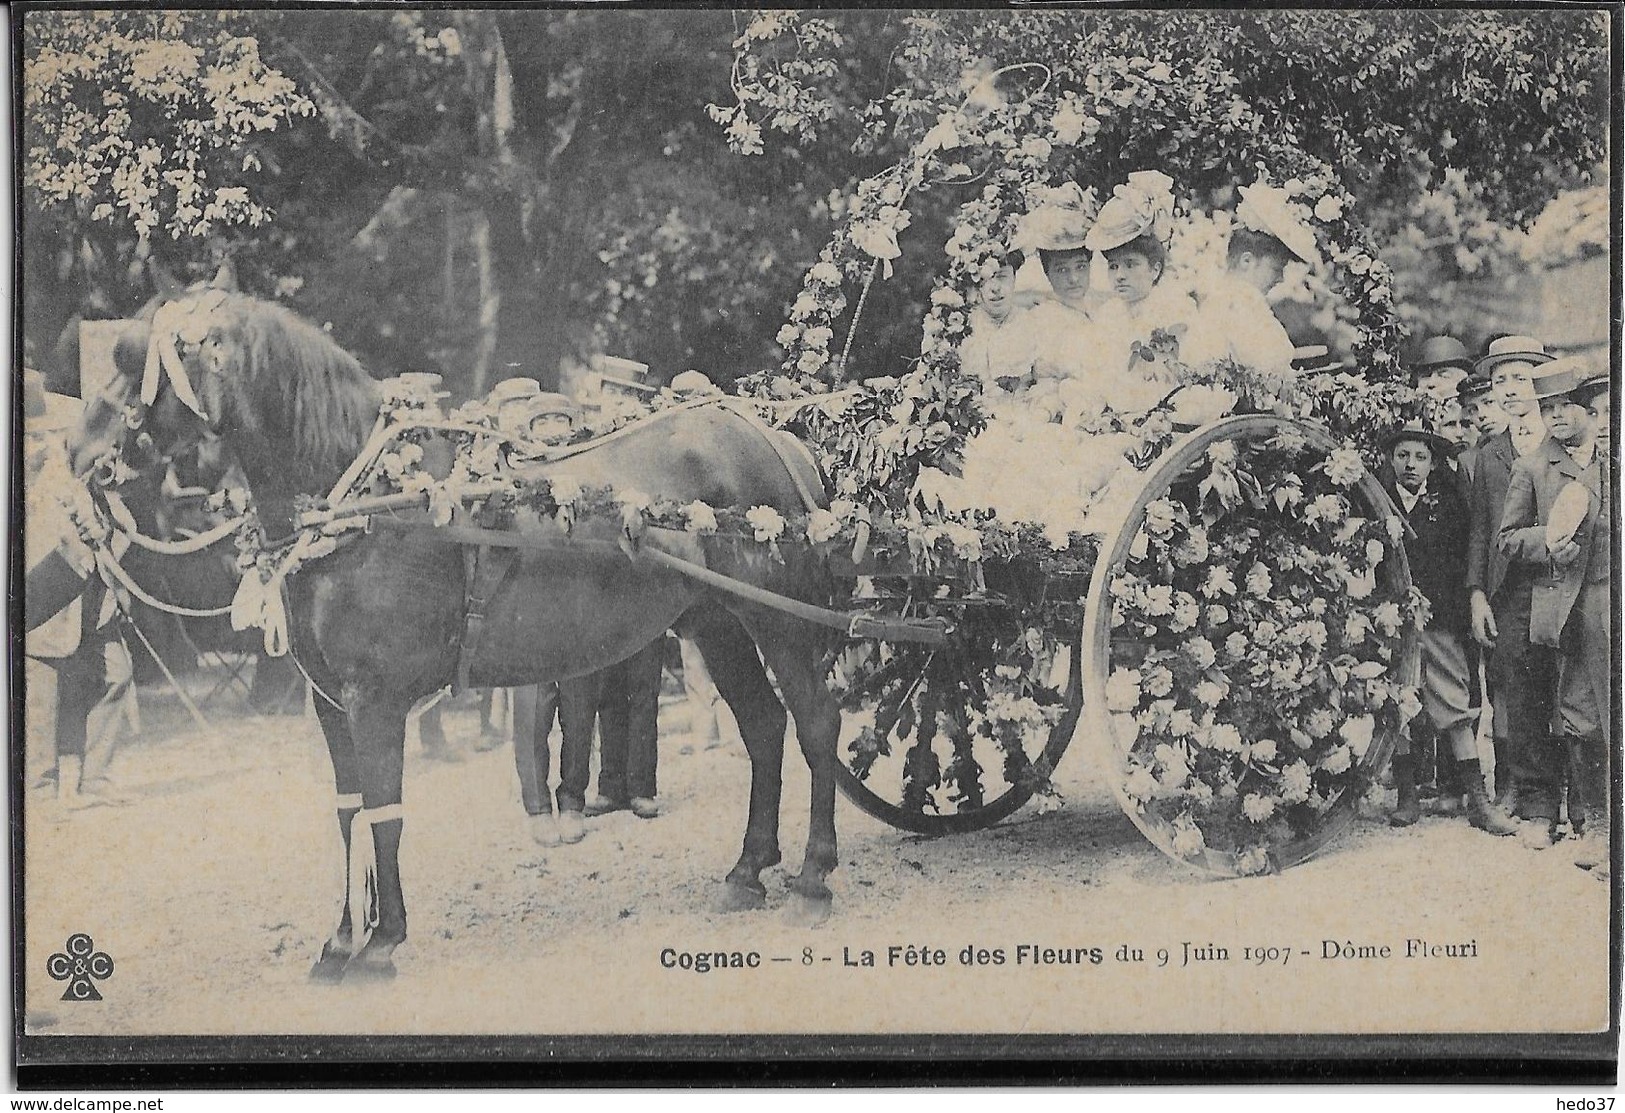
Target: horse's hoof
(739, 897)
(369, 971)
(805, 911)
(329, 969)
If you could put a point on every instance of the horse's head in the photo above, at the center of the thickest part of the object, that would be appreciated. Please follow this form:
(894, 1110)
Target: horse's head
(289, 404)
(126, 430)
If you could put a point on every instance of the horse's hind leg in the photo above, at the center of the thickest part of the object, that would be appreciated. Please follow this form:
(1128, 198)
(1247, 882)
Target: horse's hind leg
(737, 672)
(336, 728)
(378, 728)
(794, 654)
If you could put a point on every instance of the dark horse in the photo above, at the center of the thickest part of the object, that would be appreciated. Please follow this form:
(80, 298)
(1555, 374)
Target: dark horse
(378, 623)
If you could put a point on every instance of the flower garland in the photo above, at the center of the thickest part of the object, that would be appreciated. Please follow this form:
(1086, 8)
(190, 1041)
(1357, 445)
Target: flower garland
(889, 428)
(1254, 648)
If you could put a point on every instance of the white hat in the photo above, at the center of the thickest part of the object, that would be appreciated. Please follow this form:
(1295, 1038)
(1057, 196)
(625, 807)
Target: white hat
(694, 382)
(1145, 203)
(511, 390)
(1059, 219)
(1266, 208)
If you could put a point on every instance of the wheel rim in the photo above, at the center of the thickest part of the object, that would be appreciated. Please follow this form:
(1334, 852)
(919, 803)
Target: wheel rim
(914, 782)
(1109, 751)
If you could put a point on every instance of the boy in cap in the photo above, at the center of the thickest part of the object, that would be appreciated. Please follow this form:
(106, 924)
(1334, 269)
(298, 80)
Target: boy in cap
(1236, 321)
(1557, 524)
(1437, 512)
(1499, 594)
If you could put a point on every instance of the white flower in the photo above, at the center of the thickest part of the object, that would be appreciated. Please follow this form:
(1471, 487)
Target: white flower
(942, 137)
(766, 521)
(1319, 723)
(1218, 582)
(1257, 808)
(1374, 551)
(1225, 738)
(1258, 579)
(1361, 586)
(1157, 681)
(1344, 466)
(1186, 613)
(1160, 517)
(1410, 706)
(1355, 628)
(1236, 645)
(1218, 614)
(811, 360)
(1182, 723)
(1265, 633)
(1201, 652)
(1068, 122)
(1396, 529)
(1296, 780)
(1357, 732)
(1159, 600)
(1123, 690)
(1140, 784)
(822, 526)
(947, 295)
(1262, 750)
(1387, 618)
(1188, 841)
(700, 517)
(1328, 208)
(1036, 147)
(1337, 761)
(1208, 692)
(825, 274)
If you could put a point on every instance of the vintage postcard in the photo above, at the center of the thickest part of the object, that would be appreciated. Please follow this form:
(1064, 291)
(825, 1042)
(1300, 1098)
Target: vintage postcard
(609, 534)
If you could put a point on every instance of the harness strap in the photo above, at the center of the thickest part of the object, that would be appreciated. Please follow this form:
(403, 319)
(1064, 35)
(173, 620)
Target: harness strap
(484, 575)
(775, 441)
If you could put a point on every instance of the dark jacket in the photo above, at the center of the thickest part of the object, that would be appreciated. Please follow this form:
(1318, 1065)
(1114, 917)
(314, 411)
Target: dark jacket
(1438, 552)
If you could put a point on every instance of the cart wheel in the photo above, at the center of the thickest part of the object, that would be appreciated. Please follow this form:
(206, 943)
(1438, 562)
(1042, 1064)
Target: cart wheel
(1175, 476)
(917, 750)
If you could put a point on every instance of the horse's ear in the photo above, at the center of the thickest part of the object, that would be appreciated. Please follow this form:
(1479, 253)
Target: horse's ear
(164, 282)
(226, 277)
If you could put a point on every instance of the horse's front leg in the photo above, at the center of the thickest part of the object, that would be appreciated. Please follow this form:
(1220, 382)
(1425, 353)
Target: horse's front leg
(336, 728)
(377, 908)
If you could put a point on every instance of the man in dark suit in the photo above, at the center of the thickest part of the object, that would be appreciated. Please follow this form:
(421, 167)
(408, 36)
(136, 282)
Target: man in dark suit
(1499, 595)
(1421, 484)
(1556, 523)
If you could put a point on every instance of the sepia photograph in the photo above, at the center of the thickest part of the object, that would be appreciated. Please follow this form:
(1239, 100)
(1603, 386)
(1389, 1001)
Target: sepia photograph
(1046, 543)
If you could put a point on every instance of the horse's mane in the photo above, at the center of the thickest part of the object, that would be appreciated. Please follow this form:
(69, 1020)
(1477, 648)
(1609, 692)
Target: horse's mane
(316, 393)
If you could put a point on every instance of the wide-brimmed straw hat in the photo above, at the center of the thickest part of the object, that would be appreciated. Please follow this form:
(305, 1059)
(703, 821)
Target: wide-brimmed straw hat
(1059, 220)
(1267, 209)
(1560, 377)
(512, 390)
(1145, 203)
(1511, 349)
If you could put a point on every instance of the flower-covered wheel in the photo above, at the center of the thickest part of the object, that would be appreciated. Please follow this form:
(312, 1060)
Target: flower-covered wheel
(1250, 649)
(954, 738)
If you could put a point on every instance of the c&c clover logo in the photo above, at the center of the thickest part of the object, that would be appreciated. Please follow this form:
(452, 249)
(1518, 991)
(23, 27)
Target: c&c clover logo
(81, 967)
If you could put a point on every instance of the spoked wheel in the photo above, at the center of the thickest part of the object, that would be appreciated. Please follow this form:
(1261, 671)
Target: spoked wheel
(939, 740)
(1249, 654)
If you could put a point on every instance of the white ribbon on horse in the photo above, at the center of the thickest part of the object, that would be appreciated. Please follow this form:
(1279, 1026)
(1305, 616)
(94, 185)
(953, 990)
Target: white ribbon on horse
(259, 602)
(186, 319)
